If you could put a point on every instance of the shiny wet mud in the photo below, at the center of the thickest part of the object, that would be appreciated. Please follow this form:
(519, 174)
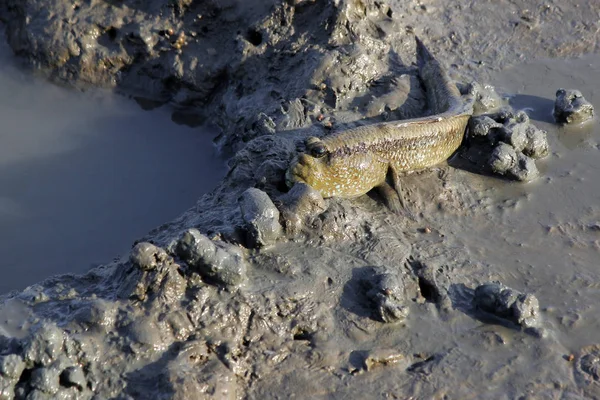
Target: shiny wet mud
(303, 322)
(546, 236)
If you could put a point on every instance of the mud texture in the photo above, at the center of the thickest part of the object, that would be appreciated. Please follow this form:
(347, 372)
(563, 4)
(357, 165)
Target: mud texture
(261, 218)
(499, 300)
(570, 107)
(345, 300)
(385, 289)
(505, 142)
(258, 67)
(214, 260)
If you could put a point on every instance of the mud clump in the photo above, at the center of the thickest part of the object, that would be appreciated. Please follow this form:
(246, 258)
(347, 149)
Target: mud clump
(44, 367)
(511, 142)
(153, 276)
(587, 370)
(147, 256)
(385, 290)
(11, 368)
(505, 160)
(97, 314)
(261, 218)
(218, 262)
(521, 309)
(481, 126)
(44, 346)
(299, 206)
(485, 96)
(45, 380)
(570, 107)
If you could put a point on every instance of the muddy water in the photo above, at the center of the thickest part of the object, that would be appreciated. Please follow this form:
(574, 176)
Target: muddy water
(82, 175)
(545, 236)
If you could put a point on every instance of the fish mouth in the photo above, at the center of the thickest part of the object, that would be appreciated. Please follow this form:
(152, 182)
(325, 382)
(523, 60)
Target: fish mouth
(297, 170)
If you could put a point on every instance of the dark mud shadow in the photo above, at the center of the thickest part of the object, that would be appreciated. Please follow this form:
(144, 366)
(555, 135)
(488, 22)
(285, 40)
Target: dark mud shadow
(389, 85)
(473, 159)
(354, 298)
(149, 379)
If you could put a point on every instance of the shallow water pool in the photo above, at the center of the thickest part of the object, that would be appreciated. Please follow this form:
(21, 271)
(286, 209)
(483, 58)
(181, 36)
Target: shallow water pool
(82, 175)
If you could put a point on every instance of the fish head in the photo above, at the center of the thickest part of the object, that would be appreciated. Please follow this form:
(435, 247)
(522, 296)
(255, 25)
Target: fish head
(333, 174)
(311, 167)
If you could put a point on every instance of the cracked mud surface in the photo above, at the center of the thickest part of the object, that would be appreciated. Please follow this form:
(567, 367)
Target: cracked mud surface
(350, 300)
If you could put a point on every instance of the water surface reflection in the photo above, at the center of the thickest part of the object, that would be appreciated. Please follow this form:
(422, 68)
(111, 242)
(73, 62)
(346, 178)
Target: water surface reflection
(82, 175)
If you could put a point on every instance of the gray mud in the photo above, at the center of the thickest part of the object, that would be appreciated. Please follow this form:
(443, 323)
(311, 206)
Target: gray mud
(341, 299)
(553, 228)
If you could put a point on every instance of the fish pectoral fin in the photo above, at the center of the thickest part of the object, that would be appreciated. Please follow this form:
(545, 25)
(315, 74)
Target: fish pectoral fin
(398, 206)
(396, 181)
(390, 198)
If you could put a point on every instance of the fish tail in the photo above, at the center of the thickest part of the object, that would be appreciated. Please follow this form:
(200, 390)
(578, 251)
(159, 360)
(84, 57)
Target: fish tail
(423, 55)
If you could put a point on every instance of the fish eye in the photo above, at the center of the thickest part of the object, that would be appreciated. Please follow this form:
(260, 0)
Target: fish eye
(315, 147)
(317, 150)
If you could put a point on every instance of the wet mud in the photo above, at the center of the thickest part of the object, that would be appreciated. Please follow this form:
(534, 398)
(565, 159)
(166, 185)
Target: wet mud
(483, 288)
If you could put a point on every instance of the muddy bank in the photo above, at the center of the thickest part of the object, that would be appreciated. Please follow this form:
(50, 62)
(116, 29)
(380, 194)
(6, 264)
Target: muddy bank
(235, 62)
(267, 293)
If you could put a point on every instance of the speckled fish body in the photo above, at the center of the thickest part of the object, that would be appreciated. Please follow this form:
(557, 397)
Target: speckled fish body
(352, 162)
